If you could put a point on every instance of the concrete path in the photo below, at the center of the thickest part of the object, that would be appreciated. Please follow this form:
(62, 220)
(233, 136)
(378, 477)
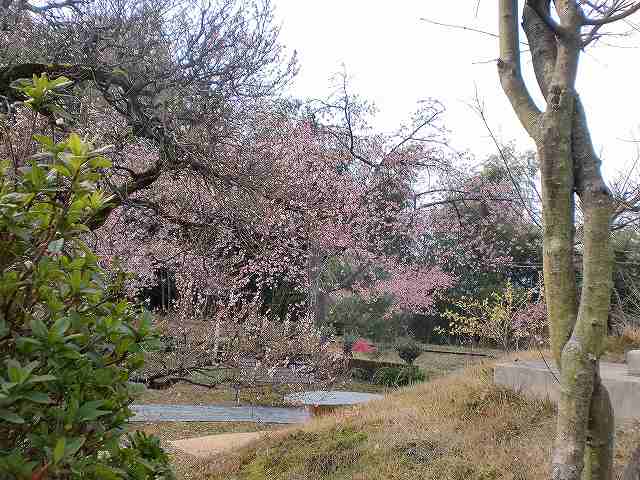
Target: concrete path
(216, 413)
(211, 445)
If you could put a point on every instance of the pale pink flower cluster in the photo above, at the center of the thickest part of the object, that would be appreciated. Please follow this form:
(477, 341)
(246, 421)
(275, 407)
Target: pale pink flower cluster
(286, 190)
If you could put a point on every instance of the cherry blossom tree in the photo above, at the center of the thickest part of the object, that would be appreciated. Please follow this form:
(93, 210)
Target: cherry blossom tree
(244, 196)
(155, 75)
(300, 203)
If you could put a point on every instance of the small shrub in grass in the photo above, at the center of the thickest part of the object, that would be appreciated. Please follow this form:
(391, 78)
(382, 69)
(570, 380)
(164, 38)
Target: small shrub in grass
(408, 350)
(422, 451)
(68, 344)
(360, 374)
(348, 340)
(398, 376)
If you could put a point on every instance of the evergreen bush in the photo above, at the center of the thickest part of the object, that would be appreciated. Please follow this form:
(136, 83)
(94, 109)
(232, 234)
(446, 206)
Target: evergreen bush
(68, 342)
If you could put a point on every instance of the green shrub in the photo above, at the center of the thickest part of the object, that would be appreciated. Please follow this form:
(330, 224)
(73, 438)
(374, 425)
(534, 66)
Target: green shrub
(348, 340)
(363, 369)
(68, 344)
(408, 350)
(360, 374)
(398, 376)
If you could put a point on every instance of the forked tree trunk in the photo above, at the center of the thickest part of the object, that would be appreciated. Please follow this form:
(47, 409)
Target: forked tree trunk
(569, 165)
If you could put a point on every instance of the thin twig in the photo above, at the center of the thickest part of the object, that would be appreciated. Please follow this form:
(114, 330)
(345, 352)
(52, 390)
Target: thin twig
(463, 27)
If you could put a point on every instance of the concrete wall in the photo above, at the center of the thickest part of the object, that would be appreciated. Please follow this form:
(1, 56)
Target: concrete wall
(535, 378)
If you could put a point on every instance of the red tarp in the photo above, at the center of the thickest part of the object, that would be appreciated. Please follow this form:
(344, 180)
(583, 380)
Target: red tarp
(363, 346)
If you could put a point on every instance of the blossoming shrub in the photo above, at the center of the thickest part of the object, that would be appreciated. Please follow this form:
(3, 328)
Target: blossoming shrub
(68, 344)
(509, 319)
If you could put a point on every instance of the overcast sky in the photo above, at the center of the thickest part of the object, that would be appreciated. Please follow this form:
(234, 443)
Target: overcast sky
(395, 59)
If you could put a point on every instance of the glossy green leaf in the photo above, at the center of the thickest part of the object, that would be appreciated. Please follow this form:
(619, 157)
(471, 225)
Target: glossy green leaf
(11, 417)
(58, 451)
(91, 411)
(41, 378)
(73, 445)
(74, 143)
(60, 326)
(37, 397)
(39, 328)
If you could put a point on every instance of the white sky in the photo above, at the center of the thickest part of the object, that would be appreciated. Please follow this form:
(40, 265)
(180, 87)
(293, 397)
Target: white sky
(395, 59)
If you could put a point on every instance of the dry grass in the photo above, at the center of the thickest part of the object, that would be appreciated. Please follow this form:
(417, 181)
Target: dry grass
(617, 346)
(188, 467)
(187, 394)
(168, 431)
(433, 364)
(457, 427)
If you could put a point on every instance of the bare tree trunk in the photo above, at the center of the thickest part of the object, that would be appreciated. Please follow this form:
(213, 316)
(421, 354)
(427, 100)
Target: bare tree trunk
(568, 164)
(598, 457)
(216, 339)
(320, 310)
(317, 298)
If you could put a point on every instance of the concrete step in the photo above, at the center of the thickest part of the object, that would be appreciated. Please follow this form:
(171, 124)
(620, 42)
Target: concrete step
(537, 379)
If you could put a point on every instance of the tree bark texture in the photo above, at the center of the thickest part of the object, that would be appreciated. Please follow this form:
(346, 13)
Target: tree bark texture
(317, 296)
(632, 471)
(569, 166)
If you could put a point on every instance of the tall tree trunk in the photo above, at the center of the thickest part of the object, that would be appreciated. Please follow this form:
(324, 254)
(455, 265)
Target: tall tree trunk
(543, 46)
(598, 456)
(216, 340)
(321, 307)
(317, 297)
(568, 164)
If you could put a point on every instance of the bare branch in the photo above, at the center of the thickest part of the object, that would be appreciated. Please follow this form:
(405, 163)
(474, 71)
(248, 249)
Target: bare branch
(611, 16)
(479, 108)
(554, 26)
(463, 27)
(40, 9)
(510, 71)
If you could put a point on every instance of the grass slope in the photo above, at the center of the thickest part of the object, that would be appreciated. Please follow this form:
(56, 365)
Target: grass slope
(457, 427)
(185, 466)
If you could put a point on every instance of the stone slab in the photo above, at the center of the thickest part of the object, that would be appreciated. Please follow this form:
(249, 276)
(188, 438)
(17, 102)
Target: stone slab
(216, 413)
(538, 379)
(330, 398)
(633, 361)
